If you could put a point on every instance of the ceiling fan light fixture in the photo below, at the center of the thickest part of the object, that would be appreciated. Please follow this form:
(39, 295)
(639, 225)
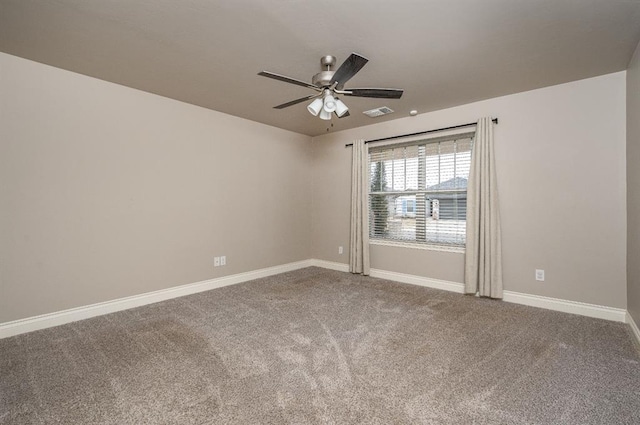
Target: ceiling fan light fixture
(324, 115)
(341, 108)
(329, 103)
(315, 107)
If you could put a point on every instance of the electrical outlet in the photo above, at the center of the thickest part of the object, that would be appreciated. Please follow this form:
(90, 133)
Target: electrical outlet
(223, 260)
(340, 250)
(216, 261)
(540, 275)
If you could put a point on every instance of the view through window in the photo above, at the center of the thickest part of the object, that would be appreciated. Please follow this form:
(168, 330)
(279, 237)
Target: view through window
(418, 191)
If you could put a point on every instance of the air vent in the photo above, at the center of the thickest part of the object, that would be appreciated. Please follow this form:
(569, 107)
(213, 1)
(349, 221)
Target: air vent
(378, 112)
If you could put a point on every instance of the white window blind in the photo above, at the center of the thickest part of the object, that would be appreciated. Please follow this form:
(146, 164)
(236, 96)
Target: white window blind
(418, 191)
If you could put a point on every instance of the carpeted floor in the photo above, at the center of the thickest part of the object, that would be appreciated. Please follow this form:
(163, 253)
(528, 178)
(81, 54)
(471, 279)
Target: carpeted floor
(323, 347)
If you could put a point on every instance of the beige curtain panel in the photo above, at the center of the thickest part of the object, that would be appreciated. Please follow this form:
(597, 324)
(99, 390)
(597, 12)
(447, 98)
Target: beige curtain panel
(483, 259)
(359, 244)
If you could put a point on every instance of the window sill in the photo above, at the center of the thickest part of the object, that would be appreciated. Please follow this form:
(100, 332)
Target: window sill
(456, 249)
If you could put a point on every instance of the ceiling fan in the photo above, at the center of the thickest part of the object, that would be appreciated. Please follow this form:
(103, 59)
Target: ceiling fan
(328, 84)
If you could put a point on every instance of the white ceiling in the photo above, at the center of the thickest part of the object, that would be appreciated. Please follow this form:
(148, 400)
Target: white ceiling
(441, 52)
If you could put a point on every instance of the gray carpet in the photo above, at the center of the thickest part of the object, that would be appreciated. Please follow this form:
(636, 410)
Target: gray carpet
(323, 347)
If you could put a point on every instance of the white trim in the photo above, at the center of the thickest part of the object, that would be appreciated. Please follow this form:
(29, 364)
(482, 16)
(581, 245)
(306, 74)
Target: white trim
(43, 321)
(396, 277)
(419, 280)
(566, 306)
(556, 304)
(331, 265)
(30, 324)
(634, 327)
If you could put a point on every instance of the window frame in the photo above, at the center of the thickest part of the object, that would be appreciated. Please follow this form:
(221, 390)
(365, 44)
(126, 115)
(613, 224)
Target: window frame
(415, 244)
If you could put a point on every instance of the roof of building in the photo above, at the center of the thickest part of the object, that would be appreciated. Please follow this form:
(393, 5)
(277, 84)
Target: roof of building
(451, 184)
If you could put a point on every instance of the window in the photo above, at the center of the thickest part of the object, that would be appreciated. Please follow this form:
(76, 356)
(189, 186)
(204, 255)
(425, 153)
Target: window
(418, 191)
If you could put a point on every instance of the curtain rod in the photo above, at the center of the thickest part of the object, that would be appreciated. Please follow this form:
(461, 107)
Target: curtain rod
(453, 127)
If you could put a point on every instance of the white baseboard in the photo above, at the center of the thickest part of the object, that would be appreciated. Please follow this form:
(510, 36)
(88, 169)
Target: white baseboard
(419, 280)
(566, 306)
(30, 324)
(396, 277)
(341, 267)
(634, 326)
(43, 321)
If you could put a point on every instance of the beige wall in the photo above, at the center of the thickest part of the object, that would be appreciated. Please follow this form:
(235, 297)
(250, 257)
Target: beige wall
(633, 187)
(560, 155)
(108, 192)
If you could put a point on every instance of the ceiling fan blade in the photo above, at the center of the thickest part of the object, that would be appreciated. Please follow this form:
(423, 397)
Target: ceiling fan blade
(295, 102)
(287, 80)
(349, 68)
(379, 93)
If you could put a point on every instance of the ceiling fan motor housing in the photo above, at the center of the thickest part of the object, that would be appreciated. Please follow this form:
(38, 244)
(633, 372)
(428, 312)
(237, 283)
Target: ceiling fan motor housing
(323, 79)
